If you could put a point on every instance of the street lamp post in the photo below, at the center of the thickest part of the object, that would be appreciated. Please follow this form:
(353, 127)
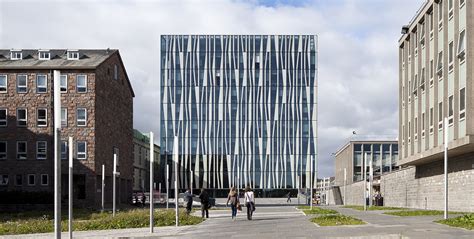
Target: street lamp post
(70, 187)
(152, 162)
(365, 181)
(57, 155)
(446, 138)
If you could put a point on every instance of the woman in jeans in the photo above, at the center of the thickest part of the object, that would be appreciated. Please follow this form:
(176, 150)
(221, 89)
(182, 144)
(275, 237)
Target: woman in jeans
(233, 198)
(249, 202)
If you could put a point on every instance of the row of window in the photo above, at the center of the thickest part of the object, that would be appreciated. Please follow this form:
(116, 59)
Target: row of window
(31, 180)
(42, 117)
(41, 150)
(42, 83)
(43, 55)
(462, 116)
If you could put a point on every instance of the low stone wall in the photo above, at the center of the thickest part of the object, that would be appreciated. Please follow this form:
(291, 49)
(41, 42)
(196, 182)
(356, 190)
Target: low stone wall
(422, 187)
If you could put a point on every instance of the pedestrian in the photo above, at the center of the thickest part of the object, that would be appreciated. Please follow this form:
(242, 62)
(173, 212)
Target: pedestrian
(233, 198)
(204, 203)
(188, 198)
(249, 202)
(367, 196)
(289, 197)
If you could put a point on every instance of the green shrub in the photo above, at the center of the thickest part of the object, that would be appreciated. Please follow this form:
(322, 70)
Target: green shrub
(336, 220)
(38, 222)
(466, 221)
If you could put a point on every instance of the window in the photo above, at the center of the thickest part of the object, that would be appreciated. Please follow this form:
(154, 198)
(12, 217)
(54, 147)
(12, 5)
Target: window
(21, 83)
(63, 117)
(63, 83)
(431, 72)
(440, 15)
(461, 3)
(18, 180)
(81, 115)
(64, 150)
(422, 34)
(31, 180)
(3, 83)
(439, 67)
(116, 72)
(422, 125)
(4, 180)
(21, 117)
(431, 19)
(415, 86)
(81, 83)
(21, 150)
(409, 131)
(422, 80)
(73, 55)
(451, 55)
(3, 117)
(16, 55)
(116, 152)
(41, 84)
(3, 150)
(81, 150)
(440, 115)
(431, 120)
(462, 45)
(415, 131)
(41, 150)
(42, 117)
(462, 103)
(44, 55)
(450, 8)
(44, 180)
(451, 109)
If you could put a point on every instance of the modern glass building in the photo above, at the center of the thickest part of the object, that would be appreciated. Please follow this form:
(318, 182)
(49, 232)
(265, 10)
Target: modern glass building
(239, 110)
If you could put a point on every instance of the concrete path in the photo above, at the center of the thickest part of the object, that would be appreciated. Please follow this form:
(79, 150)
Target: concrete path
(287, 222)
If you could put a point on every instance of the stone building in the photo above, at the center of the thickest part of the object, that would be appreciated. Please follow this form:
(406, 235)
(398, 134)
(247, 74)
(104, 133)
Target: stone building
(141, 163)
(97, 111)
(435, 82)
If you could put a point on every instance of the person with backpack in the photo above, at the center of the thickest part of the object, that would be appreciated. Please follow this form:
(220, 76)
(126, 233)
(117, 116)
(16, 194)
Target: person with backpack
(204, 203)
(233, 198)
(249, 202)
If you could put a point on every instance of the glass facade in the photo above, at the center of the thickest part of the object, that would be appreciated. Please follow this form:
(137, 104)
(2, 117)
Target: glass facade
(239, 110)
(384, 158)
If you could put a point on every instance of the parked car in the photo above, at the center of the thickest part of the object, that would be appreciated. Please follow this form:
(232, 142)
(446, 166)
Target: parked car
(138, 198)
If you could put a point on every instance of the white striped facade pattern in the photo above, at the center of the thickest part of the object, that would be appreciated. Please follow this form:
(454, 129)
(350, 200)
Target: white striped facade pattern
(239, 110)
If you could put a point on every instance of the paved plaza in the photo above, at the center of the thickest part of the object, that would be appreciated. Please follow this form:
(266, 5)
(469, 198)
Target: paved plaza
(280, 221)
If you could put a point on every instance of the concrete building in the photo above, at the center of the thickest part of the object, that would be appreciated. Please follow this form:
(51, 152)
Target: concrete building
(382, 151)
(240, 110)
(141, 163)
(436, 72)
(97, 111)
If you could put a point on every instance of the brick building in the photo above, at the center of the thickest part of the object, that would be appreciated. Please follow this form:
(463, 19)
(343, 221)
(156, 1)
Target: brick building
(97, 111)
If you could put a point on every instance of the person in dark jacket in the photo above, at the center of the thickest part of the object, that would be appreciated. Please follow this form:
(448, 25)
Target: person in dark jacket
(188, 197)
(204, 203)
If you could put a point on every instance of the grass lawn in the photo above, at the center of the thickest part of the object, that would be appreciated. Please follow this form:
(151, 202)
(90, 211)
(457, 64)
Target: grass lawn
(412, 213)
(318, 210)
(40, 222)
(373, 208)
(466, 221)
(336, 220)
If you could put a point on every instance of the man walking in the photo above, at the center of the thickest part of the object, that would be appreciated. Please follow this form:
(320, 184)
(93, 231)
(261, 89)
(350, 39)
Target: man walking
(288, 200)
(188, 197)
(204, 203)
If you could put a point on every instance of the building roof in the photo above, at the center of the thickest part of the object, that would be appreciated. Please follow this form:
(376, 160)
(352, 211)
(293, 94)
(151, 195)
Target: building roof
(88, 59)
(139, 136)
(415, 19)
(368, 138)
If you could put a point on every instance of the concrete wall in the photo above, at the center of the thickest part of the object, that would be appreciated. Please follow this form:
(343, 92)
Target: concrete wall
(354, 194)
(422, 187)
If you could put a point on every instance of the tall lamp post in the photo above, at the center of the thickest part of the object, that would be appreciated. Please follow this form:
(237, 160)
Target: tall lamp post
(446, 138)
(152, 162)
(57, 155)
(364, 164)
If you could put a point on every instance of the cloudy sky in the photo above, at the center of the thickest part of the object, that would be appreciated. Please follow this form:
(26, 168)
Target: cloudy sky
(358, 86)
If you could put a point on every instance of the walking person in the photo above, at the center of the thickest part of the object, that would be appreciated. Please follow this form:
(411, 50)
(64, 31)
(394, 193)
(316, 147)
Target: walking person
(289, 197)
(204, 203)
(249, 202)
(188, 197)
(233, 198)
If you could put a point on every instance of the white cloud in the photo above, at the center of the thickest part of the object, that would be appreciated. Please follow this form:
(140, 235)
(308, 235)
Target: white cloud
(358, 75)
